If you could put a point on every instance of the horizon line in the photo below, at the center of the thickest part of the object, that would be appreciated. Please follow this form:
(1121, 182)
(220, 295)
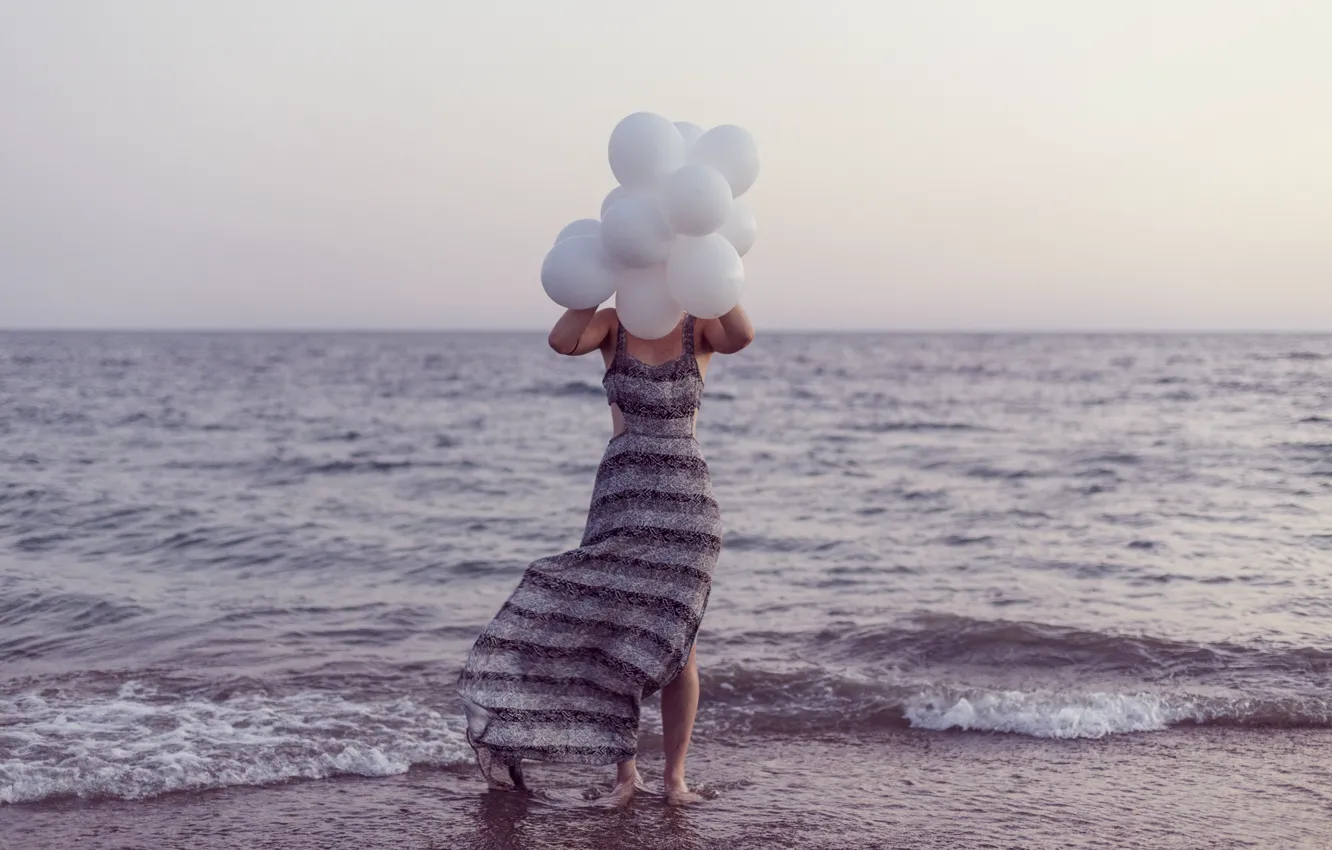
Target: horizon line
(772, 329)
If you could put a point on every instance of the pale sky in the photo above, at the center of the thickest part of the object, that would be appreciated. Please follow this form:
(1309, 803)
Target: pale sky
(1002, 164)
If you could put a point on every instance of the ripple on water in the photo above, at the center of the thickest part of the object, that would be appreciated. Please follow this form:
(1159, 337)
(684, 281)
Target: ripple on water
(326, 510)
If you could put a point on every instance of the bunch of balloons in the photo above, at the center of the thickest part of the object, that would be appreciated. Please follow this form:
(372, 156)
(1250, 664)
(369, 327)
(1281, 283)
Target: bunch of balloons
(671, 235)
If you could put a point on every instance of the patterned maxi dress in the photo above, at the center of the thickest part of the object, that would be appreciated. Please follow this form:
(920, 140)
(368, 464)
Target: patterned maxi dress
(560, 673)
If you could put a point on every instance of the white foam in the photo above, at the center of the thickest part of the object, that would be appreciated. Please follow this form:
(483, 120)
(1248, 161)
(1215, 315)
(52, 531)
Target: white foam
(137, 744)
(1049, 714)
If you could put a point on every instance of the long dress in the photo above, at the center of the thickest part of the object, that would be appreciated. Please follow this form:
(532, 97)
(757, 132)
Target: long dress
(560, 672)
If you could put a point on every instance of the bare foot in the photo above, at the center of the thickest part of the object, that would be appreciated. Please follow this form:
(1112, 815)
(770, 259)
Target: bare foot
(623, 792)
(680, 795)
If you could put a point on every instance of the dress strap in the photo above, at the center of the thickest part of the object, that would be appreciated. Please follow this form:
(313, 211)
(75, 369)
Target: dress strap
(688, 336)
(620, 341)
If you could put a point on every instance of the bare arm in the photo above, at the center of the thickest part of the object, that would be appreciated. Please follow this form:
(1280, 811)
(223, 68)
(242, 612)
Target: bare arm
(730, 333)
(580, 331)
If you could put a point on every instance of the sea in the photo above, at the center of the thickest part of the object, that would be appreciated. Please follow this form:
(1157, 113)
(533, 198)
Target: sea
(976, 590)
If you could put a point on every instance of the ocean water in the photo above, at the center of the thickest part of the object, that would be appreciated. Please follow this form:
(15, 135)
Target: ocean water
(231, 564)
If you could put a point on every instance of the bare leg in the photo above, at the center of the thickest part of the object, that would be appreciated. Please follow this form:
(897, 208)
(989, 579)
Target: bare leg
(679, 704)
(626, 783)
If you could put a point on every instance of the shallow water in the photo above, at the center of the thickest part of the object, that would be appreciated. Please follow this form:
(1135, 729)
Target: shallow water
(232, 560)
(1200, 788)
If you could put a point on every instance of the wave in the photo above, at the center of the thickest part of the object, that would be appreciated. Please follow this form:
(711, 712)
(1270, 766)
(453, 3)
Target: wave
(37, 623)
(764, 543)
(131, 741)
(796, 703)
(946, 641)
(1096, 714)
(137, 744)
(339, 467)
(297, 465)
(892, 427)
(1046, 715)
(74, 611)
(1311, 448)
(943, 672)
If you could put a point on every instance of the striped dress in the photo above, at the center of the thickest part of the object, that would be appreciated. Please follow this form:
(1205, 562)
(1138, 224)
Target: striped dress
(560, 673)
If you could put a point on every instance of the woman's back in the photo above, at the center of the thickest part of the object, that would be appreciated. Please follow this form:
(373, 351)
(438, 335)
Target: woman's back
(659, 399)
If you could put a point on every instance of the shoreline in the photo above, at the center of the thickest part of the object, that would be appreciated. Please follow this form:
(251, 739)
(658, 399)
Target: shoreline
(1185, 788)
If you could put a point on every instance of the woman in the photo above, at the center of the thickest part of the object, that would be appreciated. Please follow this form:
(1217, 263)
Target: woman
(560, 673)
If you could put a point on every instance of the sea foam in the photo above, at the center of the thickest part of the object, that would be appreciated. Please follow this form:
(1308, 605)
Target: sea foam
(136, 744)
(1049, 714)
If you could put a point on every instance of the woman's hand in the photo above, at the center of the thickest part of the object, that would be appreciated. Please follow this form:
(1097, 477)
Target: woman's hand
(580, 331)
(730, 333)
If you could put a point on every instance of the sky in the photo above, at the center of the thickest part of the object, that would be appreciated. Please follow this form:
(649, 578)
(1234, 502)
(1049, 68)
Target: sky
(1015, 165)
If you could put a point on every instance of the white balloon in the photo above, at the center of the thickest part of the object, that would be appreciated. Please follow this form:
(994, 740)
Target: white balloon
(645, 307)
(740, 228)
(697, 199)
(643, 149)
(689, 132)
(636, 233)
(732, 151)
(705, 275)
(581, 227)
(612, 196)
(578, 273)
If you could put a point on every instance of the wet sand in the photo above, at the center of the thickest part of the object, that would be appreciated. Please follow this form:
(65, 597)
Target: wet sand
(1195, 788)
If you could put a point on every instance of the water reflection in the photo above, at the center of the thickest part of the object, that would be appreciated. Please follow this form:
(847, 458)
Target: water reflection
(508, 821)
